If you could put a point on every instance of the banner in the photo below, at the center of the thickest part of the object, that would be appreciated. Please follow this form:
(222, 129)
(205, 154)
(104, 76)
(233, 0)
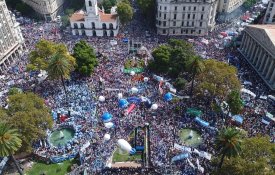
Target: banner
(182, 148)
(136, 70)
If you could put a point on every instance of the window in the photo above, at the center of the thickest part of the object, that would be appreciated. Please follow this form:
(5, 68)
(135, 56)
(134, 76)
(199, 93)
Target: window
(159, 23)
(111, 26)
(175, 16)
(103, 26)
(188, 16)
(75, 26)
(174, 23)
(181, 31)
(174, 32)
(194, 16)
(195, 8)
(199, 31)
(176, 8)
(183, 16)
(202, 8)
(189, 8)
(163, 31)
(193, 23)
(183, 8)
(200, 24)
(81, 25)
(187, 23)
(164, 16)
(160, 7)
(90, 3)
(182, 23)
(201, 16)
(93, 25)
(165, 8)
(164, 23)
(159, 14)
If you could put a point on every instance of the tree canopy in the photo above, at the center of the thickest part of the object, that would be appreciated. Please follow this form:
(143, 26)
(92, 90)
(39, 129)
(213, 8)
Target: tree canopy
(125, 12)
(27, 113)
(256, 158)
(217, 79)
(147, 8)
(234, 102)
(85, 58)
(108, 4)
(44, 50)
(172, 58)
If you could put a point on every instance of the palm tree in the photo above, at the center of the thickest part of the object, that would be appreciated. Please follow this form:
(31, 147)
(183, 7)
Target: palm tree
(60, 66)
(228, 143)
(10, 142)
(195, 67)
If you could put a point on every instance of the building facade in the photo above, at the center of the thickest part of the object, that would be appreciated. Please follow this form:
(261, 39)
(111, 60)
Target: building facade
(258, 48)
(270, 13)
(185, 17)
(49, 9)
(11, 39)
(228, 6)
(94, 21)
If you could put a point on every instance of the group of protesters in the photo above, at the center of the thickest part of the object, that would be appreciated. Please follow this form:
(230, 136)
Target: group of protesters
(108, 81)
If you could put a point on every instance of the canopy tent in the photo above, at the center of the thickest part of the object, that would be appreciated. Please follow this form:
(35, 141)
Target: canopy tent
(201, 122)
(123, 103)
(194, 112)
(106, 117)
(238, 119)
(168, 96)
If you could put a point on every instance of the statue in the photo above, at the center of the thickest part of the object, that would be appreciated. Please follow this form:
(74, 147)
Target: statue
(190, 135)
(61, 135)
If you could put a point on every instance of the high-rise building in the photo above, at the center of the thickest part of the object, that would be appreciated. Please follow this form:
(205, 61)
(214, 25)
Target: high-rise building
(258, 48)
(49, 9)
(227, 6)
(185, 17)
(11, 39)
(270, 13)
(94, 21)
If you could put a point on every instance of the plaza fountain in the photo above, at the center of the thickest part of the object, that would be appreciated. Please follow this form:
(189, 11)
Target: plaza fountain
(61, 137)
(190, 137)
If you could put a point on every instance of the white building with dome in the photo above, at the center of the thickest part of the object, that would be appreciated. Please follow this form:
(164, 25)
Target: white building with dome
(94, 21)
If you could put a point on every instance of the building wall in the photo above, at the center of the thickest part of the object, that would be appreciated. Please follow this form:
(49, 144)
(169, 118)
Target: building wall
(259, 57)
(184, 17)
(227, 6)
(47, 8)
(11, 39)
(270, 13)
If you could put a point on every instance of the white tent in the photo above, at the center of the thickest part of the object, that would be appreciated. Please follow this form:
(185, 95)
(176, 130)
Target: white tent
(243, 90)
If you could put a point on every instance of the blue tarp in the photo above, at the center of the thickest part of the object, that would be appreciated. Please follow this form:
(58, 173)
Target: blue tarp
(238, 118)
(201, 122)
(168, 96)
(125, 40)
(134, 100)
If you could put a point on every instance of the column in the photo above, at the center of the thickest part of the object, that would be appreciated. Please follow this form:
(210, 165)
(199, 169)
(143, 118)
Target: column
(260, 57)
(243, 42)
(251, 54)
(266, 65)
(250, 49)
(270, 70)
(247, 45)
(263, 62)
(272, 79)
(255, 54)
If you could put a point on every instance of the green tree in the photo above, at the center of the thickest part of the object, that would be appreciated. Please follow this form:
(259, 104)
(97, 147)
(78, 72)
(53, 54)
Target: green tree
(14, 90)
(161, 61)
(234, 102)
(85, 58)
(60, 67)
(180, 83)
(147, 8)
(44, 50)
(108, 4)
(24, 8)
(28, 113)
(217, 79)
(228, 143)
(257, 157)
(10, 142)
(125, 12)
(195, 67)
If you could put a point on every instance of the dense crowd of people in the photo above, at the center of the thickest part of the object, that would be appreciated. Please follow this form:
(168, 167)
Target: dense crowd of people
(108, 80)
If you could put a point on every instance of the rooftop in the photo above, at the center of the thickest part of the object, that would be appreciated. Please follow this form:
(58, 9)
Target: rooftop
(78, 16)
(107, 17)
(269, 30)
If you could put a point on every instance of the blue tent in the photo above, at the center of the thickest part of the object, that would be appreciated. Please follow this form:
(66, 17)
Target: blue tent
(123, 103)
(106, 117)
(238, 118)
(201, 122)
(134, 100)
(125, 40)
(168, 96)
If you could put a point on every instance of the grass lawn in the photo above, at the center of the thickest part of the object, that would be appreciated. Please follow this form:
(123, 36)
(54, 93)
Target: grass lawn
(125, 157)
(51, 169)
